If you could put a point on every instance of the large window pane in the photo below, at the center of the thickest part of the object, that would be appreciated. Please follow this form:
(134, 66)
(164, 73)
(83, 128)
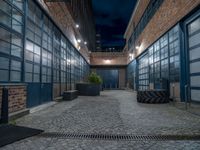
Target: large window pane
(4, 75)
(19, 3)
(17, 15)
(5, 19)
(15, 76)
(15, 65)
(4, 63)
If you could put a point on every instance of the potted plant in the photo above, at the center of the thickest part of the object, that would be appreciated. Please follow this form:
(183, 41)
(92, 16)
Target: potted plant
(92, 88)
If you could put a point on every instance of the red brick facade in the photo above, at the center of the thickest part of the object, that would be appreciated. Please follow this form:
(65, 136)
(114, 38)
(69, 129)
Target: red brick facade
(169, 14)
(17, 96)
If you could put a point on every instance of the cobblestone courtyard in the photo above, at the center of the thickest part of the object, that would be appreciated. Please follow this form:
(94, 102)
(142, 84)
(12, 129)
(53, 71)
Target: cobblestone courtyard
(114, 112)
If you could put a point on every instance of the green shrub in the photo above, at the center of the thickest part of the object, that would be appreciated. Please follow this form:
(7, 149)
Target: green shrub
(94, 78)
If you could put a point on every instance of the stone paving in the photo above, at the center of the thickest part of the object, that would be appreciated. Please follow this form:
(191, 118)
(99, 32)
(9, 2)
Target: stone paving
(114, 112)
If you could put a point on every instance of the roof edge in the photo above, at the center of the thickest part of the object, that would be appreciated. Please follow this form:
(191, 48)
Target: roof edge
(133, 14)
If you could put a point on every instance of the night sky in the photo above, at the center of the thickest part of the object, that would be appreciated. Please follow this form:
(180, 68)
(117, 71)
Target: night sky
(112, 17)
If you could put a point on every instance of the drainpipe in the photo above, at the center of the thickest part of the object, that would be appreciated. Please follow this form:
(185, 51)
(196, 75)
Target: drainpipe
(4, 108)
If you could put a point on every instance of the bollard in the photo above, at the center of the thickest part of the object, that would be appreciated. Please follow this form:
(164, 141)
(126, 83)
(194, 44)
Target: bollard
(4, 108)
(186, 96)
(173, 91)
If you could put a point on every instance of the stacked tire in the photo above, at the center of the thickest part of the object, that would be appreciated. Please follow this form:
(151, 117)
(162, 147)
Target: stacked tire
(152, 96)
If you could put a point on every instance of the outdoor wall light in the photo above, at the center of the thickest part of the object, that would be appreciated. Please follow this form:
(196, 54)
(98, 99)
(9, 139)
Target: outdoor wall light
(79, 41)
(137, 47)
(77, 26)
(85, 43)
(107, 61)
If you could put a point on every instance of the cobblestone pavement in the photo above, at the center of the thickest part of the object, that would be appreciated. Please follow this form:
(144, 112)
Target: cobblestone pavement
(114, 112)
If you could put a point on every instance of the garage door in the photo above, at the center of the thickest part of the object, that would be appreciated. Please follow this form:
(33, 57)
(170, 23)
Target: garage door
(193, 29)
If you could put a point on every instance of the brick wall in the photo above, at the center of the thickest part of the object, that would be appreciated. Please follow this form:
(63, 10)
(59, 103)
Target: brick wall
(101, 58)
(141, 6)
(61, 15)
(169, 14)
(17, 96)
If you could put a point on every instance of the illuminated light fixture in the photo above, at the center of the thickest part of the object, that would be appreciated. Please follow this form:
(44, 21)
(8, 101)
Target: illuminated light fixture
(137, 47)
(77, 26)
(79, 48)
(107, 61)
(131, 55)
(79, 41)
(85, 43)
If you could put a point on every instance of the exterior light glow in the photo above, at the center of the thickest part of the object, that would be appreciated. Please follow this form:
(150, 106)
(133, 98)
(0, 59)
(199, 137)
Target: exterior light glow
(85, 43)
(79, 48)
(107, 61)
(79, 41)
(137, 47)
(77, 26)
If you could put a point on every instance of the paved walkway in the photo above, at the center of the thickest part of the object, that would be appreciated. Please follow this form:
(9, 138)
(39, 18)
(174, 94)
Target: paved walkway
(115, 112)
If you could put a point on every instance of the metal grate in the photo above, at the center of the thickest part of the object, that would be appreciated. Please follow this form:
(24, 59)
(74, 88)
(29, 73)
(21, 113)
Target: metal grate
(119, 137)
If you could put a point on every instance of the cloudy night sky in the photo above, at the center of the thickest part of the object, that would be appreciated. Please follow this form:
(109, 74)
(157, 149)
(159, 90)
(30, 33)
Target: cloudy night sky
(112, 17)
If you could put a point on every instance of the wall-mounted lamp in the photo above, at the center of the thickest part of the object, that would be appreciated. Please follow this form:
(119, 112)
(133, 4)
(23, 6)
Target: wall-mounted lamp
(131, 55)
(85, 43)
(77, 26)
(79, 41)
(137, 47)
(107, 61)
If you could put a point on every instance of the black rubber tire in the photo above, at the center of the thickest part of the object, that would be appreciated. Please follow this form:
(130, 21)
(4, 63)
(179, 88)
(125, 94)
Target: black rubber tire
(152, 97)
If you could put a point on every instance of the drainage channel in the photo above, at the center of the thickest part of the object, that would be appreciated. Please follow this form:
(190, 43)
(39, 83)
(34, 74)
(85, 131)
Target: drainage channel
(118, 137)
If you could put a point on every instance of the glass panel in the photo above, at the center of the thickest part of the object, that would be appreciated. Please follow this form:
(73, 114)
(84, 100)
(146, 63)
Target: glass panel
(195, 53)
(29, 46)
(16, 40)
(36, 58)
(194, 26)
(15, 76)
(4, 63)
(28, 67)
(37, 50)
(19, 3)
(5, 7)
(36, 78)
(5, 47)
(194, 40)
(29, 55)
(17, 15)
(28, 77)
(15, 65)
(16, 26)
(5, 19)
(4, 75)
(16, 51)
(5, 35)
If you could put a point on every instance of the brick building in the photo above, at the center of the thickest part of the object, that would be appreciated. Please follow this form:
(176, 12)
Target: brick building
(40, 56)
(41, 52)
(163, 45)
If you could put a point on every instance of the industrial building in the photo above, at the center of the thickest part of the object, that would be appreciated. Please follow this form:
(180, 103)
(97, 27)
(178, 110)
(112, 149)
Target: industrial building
(50, 48)
(163, 45)
(46, 47)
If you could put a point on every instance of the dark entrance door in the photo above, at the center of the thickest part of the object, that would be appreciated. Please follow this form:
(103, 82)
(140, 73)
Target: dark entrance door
(110, 78)
(38, 93)
(46, 92)
(33, 94)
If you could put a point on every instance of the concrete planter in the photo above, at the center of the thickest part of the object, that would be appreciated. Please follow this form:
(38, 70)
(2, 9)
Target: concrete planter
(88, 89)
